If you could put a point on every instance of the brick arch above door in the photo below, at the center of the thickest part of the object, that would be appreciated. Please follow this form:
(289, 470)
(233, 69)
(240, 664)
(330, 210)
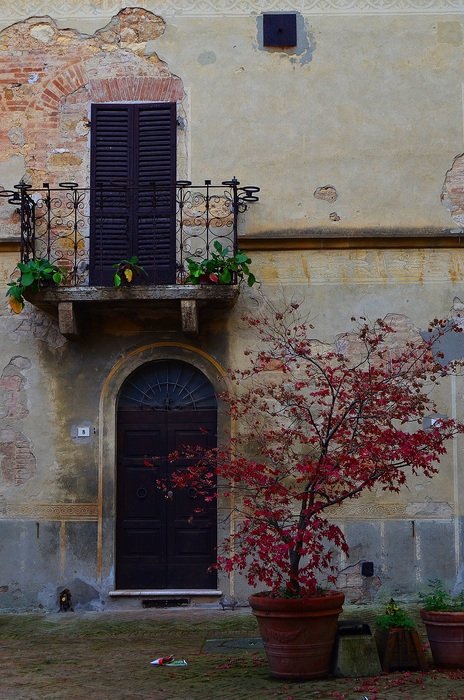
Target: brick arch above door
(73, 80)
(136, 89)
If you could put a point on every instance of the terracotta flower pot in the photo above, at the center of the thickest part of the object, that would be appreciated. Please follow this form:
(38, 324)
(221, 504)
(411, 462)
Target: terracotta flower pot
(206, 279)
(400, 649)
(298, 633)
(445, 631)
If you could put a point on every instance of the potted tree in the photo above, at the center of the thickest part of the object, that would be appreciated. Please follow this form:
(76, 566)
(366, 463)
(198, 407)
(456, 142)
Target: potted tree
(315, 426)
(221, 267)
(34, 275)
(443, 617)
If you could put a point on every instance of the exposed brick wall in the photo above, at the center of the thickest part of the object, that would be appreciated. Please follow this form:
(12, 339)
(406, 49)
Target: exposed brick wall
(167, 89)
(50, 76)
(17, 462)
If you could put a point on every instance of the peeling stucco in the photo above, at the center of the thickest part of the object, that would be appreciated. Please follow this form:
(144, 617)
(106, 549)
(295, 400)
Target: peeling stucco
(117, 63)
(31, 323)
(452, 195)
(328, 193)
(356, 587)
(404, 328)
(12, 395)
(17, 462)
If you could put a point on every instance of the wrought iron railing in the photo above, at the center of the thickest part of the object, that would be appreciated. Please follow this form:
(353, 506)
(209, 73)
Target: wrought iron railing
(56, 222)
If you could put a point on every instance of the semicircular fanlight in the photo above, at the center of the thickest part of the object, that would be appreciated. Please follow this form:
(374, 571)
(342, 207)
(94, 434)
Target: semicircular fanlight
(167, 385)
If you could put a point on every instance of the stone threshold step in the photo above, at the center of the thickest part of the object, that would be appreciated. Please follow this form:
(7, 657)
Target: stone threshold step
(166, 593)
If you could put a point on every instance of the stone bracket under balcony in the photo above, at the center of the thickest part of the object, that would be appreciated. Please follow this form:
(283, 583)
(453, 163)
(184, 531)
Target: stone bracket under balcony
(72, 305)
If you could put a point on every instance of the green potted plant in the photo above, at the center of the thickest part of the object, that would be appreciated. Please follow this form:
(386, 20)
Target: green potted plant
(127, 271)
(397, 640)
(220, 268)
(316, 427)
(34, 275)
(443, 617)
(394, 616)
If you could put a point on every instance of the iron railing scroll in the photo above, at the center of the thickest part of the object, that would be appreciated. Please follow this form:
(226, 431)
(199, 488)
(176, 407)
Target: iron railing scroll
(55, 222)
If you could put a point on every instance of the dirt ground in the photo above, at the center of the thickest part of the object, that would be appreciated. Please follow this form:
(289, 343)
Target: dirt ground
(106, 656)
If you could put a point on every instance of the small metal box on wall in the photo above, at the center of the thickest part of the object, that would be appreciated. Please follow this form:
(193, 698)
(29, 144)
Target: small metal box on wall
(279, 29)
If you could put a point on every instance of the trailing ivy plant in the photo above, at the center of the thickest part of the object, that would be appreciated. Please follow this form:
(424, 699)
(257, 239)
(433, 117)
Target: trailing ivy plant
(220, 268)
(127, 271)
(34, 275)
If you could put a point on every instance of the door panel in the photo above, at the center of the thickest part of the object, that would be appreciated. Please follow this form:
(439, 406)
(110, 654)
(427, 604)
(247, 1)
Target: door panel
(140, 533)
(191, 537)
(161, 542)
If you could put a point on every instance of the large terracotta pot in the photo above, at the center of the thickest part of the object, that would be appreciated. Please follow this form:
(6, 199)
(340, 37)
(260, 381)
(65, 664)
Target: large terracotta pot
(298, 633)
(445, 631)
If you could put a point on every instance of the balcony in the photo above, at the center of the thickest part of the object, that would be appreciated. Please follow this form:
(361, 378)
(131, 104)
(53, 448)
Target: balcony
(87, 231)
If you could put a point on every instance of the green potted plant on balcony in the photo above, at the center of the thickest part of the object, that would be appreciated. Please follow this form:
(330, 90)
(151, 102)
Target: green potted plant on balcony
(315, 426)
(220, 268)
(34, 275)
(443, 617)
(127, 271)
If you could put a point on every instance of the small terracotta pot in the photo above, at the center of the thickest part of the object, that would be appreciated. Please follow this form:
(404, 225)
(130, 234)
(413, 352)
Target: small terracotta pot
(298, 633)
(400, 649)
(204, 279)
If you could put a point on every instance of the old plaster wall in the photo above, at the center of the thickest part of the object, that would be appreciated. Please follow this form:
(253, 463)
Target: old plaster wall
(337, 132)
(57, 492)
(354, 114)
(350, 99)
(57, 502)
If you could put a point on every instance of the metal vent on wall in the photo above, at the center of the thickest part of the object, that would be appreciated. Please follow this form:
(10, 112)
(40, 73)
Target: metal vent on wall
(279, 29)
(165, 602)
(167, 385)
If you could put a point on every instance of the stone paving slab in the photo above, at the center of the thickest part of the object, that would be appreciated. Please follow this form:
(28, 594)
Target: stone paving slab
(216, 646)
(106, 656)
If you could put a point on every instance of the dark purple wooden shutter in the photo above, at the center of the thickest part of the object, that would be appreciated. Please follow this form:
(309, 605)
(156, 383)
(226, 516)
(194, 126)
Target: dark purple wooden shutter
(133, 173)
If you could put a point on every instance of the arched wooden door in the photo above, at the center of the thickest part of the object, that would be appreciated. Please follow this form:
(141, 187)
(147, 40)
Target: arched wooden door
(162, 542)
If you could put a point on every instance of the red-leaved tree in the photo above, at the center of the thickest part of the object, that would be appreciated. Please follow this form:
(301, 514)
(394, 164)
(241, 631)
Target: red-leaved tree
(316, 426)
